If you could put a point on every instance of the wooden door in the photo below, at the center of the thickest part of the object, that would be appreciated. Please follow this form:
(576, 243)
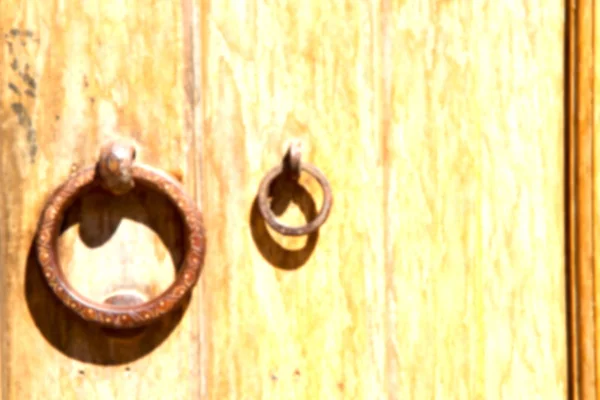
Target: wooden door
(440, 272)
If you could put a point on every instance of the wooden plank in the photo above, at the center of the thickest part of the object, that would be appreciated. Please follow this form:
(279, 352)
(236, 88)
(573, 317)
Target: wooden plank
(71, 76)
(588, 70)
(583, 203)
(474, 200)
(293, 318)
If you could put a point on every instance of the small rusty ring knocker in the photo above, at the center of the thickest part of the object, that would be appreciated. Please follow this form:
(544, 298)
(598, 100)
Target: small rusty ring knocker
(116, 172)
(291, 167)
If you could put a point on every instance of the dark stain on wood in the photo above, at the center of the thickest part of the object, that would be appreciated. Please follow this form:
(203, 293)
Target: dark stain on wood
(28, 79)
(23, 70)
(31, 140)
(14, 88)
(21, 112)
(18, 32)
(25, 121)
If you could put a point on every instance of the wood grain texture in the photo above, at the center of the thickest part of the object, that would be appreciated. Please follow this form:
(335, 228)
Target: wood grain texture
(583, 199)
(293, 318)
(71, 76)
(440, 273)
(474, 201)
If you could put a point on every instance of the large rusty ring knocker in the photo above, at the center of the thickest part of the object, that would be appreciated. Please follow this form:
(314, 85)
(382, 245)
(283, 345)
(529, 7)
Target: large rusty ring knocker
(116, 172)
(291, 167)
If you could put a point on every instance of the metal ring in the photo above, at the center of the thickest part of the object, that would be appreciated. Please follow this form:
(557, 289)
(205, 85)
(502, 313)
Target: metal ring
(117, 316)
(269, 216)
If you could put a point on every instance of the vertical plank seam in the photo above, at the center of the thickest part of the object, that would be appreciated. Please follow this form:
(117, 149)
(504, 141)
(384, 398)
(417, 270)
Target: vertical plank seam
(592, 194)
(193, 133)
(593, 188)
(386, 93)
(3, 269)
(570, 194)
(198, 57)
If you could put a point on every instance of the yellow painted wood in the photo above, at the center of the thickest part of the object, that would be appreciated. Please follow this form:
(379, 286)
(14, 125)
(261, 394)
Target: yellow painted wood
(439, 125)
(282, 329)
(474, 176)
(72, 75)
(440, 273)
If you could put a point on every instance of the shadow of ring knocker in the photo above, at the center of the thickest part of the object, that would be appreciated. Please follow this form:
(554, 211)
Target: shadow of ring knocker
(279, 187)
(118, 175)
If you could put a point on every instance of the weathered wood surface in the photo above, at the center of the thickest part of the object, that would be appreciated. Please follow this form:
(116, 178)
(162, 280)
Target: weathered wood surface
(585, 232)
(592, 120)
(439, 273)
(72, 75)
(583, 199)
(474, 181)
(441, 270)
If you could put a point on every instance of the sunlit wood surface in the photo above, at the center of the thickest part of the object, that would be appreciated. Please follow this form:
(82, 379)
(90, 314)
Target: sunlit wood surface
(439, 124)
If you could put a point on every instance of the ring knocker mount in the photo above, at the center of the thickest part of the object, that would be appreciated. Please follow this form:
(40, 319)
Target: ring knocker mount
(290, 168)
(117, 172)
